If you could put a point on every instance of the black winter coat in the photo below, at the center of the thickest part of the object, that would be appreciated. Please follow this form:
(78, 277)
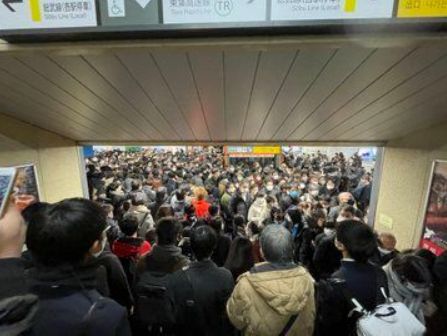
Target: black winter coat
(361, 281)
(211, 288)
(70, 305)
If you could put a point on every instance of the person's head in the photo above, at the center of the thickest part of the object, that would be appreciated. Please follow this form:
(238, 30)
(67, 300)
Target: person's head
(387, 241)
(151, 236)
(129, 225)
(137, 198)
(136, 185)
(239, 221)
(180, 194)
(277, 244)
(165, 211)
(203, 242)
(252, 230)
(294, 216)
(200, 193)
(240, 256)
(66, 233)
(347, 212)
(216, 224)
(269, 185)
(345, 198)
(168, 231)
(213, 210)
(356, 240)
(411, 269)
(30, 211)
(428, 256)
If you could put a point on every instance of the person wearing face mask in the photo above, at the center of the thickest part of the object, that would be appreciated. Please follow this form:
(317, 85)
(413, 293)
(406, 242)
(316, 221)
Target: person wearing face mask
(61, 239)
(271, 189)
(241, 201)
(409, 282)
(327, 258)
(230, 190)
(386, 249)
(259, 210)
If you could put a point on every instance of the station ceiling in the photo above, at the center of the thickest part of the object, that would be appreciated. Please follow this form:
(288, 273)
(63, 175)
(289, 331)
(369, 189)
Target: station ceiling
(228, 90)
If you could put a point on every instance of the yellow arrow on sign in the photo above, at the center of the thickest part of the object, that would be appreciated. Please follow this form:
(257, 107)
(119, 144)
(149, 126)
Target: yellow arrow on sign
(350, 6)
(35, 10)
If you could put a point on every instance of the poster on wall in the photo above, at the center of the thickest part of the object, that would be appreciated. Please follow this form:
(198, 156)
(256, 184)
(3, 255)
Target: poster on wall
(26, 186)
(435, 221)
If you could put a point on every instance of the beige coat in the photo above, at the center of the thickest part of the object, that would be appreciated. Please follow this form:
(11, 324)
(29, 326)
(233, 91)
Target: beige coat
(262, 303)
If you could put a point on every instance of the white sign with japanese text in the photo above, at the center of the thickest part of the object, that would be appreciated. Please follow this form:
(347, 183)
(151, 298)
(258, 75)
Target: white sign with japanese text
(295, 10)
(214, 11)
(34, 14)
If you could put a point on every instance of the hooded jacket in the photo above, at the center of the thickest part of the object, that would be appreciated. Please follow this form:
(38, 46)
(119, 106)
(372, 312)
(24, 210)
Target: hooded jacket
(266, 297)
(70, 304)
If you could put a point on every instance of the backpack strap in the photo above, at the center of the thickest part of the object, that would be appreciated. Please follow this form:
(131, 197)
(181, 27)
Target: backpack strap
(289, 325)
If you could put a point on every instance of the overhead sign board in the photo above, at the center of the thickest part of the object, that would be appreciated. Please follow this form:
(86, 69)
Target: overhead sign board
(294, 10)
(422, 8)
(214, 11)
(267, 149)
(253, 150)
(31, 14)
(129, 12)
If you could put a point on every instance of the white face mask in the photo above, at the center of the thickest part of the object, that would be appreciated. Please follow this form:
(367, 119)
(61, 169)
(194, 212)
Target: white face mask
(269, 187)
(383, 251)
(328, 232)
(103, 245)
(314, 193)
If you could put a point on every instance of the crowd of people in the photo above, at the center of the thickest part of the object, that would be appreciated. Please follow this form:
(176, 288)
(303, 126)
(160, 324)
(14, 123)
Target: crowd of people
(185, 243)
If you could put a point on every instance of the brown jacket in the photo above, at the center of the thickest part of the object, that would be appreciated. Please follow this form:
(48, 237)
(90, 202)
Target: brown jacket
(265, 298)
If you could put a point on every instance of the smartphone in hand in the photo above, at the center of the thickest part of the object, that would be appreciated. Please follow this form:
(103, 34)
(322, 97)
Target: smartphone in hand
(7, 179)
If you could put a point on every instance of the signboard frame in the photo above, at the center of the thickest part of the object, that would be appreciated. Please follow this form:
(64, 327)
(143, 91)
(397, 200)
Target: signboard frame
(155, 31)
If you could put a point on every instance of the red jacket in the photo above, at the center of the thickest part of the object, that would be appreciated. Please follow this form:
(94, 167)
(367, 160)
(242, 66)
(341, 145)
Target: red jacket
(130, 247)
(201, 207)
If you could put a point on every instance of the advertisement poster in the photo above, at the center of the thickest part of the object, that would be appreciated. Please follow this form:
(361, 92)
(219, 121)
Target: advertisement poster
(435, 221)
(295, 10)
(36, 14)
(214, 11)
(26, 187)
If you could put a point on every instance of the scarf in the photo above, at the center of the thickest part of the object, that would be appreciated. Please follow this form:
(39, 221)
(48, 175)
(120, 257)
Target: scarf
(406, 293)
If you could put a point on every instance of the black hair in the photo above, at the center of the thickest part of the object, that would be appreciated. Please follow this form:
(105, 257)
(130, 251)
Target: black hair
(203, 242)
(213, 210)
(239, 220)
(129, 225)
(411, 268)
(254, 228)
(428, 256)
(240, 257)
(216, 224)
(168, 229)
(165, 211)
(30, 211)
(63, 233)
(151, 236)
(136, 184)
(358, 239)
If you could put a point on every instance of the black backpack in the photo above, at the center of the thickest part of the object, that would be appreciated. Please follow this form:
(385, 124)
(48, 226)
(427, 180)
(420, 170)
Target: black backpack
(154, 307)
